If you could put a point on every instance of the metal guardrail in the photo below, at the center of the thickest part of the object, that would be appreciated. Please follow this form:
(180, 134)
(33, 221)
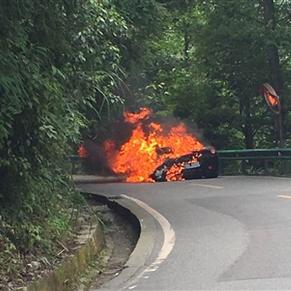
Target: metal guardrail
(276, 161)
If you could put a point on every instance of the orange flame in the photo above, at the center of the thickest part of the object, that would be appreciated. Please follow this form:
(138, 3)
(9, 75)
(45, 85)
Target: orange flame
(148, 147)
(136, 117)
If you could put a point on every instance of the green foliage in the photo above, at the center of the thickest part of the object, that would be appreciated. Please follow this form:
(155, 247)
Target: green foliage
(96, 59)
(71, 66)
(59, 69)
(209, 63)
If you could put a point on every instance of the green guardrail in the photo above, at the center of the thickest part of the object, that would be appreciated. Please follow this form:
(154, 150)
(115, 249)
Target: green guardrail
(276, 161)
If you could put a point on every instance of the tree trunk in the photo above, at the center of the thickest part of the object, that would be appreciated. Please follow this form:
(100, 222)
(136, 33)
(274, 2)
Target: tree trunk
(272, 50)
(276, 76)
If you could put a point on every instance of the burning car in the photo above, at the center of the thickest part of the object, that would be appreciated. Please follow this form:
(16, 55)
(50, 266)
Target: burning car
(197, 164)
(149, 149)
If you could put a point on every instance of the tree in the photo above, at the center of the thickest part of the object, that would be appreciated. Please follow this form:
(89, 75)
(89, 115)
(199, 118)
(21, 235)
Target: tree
(216, 55)
(58, 64)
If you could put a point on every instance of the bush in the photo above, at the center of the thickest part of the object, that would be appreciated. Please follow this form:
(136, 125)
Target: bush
(59, 62)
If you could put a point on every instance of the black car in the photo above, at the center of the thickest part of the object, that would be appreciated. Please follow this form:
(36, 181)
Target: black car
(197, 164)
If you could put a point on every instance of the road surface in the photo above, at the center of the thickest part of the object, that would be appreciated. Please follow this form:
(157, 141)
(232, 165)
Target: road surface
(231, 233)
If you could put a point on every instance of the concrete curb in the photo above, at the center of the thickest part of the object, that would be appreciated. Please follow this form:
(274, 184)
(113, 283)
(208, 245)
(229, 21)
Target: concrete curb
(139, 258)
(64, 276)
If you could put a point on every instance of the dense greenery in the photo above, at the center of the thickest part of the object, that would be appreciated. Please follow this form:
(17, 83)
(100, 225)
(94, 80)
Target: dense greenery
(68, 68)
(59, 62)
(210, 62)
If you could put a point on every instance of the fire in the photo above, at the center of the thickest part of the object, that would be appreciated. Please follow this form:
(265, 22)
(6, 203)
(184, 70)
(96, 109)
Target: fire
(136, 117)
(149, 145)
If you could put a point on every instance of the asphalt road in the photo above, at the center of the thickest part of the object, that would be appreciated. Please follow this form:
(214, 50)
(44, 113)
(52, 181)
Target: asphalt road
(232, 233)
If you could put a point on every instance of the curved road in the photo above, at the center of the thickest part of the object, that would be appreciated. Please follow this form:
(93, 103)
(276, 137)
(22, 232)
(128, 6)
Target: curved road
(232, 233)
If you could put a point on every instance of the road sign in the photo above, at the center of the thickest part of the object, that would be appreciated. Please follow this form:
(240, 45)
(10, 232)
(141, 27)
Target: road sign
(274, 104)
(271, 98)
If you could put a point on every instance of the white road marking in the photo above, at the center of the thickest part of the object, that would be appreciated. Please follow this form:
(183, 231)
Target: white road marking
(207, 185)
(169, 237)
